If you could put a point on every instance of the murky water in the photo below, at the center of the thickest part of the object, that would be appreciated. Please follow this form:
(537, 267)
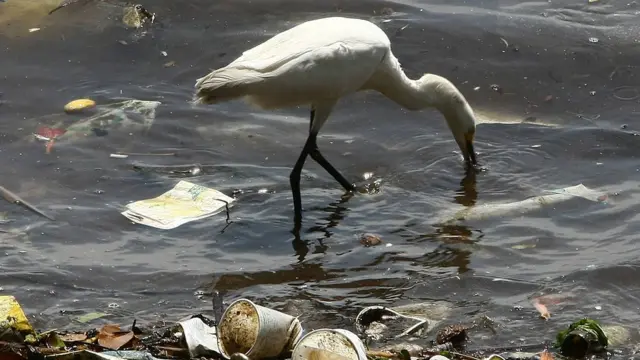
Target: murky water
(566, 113)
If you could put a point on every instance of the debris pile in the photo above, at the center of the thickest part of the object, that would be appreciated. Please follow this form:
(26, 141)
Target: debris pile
(246, 330)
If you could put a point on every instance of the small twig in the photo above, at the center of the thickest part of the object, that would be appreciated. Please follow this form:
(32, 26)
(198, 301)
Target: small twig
(525, 347)
(146, 154)
(463, 356)
(13, 198)
(217, 305)
(226, 207)
(378, 353)
(79, 342)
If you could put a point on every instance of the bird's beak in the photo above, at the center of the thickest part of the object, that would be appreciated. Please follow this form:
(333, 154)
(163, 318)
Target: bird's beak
(470, 155)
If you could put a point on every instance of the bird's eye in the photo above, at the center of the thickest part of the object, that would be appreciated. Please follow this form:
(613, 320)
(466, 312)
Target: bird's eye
(138, 7)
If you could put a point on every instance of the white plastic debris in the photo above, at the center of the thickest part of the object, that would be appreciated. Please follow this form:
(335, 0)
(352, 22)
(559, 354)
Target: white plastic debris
(556, 196)
(184, 203)
(438, 357)
(202, 340)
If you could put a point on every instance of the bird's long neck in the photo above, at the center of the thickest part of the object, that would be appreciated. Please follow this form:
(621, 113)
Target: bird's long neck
(396, 85)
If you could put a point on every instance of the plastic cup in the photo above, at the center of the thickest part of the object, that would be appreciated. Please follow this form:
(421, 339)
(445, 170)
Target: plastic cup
(329, 344)
(256, 331)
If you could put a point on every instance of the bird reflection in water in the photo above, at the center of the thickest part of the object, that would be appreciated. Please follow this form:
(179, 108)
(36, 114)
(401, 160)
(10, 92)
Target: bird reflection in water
(453, 238)
(448, 234)
(336, 212)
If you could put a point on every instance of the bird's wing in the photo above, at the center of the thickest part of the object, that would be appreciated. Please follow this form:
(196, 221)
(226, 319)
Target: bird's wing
(275, 53)
(309, 37)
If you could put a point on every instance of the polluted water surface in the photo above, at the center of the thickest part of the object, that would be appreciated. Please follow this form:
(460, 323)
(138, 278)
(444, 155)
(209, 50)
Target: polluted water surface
(518, 265)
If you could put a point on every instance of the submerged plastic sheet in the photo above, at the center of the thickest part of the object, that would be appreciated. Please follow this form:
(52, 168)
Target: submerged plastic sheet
(128, 115)
(484, 211)
(184, 203)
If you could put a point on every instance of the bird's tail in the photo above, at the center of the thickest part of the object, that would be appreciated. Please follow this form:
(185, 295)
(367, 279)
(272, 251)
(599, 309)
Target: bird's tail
(224, 84)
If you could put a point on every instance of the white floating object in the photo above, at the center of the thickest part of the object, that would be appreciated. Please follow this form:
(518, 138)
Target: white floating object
(34, 29)
(184, 203)
(119, 156)
(41, 138)
(489, 210)
(202, 340)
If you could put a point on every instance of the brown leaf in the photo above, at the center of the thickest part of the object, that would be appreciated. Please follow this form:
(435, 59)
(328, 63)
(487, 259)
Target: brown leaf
(545, 355)
(542, 309)
(111, 337)
(73, 337)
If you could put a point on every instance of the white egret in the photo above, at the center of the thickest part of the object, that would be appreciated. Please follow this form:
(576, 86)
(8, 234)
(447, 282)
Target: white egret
(318, 62)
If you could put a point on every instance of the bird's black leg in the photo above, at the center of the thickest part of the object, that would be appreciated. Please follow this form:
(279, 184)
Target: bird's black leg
(311, 148)
(317, 156)
(294, 177)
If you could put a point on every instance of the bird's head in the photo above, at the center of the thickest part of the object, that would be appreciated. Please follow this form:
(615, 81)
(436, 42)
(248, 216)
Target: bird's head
(445, 97)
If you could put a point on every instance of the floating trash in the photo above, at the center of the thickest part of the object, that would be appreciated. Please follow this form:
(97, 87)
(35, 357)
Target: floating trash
(377, 322)
(485, 211)
(256, 331)
(581, 338)
(184, 203)
(330, 344)
(79, 105)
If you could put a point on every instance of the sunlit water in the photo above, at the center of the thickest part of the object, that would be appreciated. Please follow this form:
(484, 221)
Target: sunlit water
(566, 114)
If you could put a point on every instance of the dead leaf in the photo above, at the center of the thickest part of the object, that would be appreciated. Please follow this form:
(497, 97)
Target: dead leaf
(73, 337)
(112, 337)
(545, 355)
(542, 309)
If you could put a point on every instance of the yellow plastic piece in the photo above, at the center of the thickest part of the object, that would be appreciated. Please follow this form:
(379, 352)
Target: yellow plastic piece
(11, 312)
(79, 105)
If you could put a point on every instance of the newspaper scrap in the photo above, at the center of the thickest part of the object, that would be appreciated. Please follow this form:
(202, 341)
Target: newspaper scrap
(184, 203)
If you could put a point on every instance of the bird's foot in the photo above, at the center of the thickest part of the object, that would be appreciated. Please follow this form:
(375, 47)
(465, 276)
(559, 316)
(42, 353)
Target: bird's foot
(369, 187)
